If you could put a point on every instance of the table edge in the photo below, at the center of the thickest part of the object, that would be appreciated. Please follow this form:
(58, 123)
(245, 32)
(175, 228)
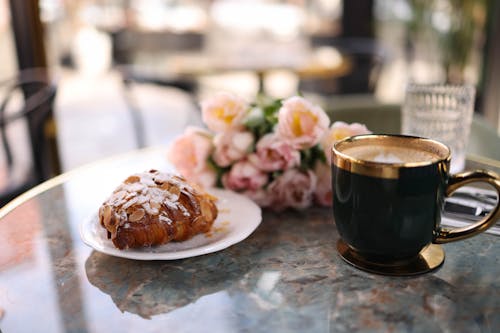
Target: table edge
(63, 177)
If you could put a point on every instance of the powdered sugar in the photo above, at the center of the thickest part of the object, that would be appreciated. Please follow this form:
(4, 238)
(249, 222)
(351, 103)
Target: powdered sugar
(148, 191)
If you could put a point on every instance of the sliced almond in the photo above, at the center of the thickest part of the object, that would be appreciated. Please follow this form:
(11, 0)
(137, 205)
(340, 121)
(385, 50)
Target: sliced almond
(130, 202)
(132, 179)
(119, 195)
(106, 214)
(137, 215)
(175, 192)
(154, 204)
(206, 210)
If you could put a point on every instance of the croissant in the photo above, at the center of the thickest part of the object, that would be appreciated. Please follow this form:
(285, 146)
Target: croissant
(153, 208)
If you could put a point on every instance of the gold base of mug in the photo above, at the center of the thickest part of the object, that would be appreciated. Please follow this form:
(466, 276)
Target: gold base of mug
(430, 258)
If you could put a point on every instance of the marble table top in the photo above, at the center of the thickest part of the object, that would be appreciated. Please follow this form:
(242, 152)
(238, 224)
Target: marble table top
(285, 277)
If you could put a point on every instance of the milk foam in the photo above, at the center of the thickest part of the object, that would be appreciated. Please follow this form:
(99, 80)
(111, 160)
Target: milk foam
(390, 154)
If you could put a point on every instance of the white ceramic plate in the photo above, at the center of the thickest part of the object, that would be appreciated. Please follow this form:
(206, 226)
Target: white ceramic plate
(238, 217)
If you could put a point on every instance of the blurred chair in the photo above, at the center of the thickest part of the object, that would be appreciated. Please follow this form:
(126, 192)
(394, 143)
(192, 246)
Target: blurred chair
(27, 132)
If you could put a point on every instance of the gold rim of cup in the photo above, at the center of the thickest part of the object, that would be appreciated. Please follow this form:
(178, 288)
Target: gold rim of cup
(383, 169)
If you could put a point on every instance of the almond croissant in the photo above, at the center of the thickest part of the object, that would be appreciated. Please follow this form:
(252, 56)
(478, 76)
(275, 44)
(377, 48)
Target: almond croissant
(153, 208)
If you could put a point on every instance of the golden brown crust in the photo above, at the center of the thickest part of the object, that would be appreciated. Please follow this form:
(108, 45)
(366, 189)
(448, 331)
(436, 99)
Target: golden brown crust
(153, 208)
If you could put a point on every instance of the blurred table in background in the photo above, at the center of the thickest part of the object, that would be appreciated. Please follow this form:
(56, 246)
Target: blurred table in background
(323, 62)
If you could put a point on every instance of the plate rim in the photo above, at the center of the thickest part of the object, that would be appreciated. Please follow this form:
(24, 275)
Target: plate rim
(242, 232)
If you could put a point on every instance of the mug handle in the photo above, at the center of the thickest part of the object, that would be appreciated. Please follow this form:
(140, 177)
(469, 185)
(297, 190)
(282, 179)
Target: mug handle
(444, 235)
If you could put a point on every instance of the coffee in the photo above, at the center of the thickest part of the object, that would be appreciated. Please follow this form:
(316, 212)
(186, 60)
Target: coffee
(390, 154)
(387, 195)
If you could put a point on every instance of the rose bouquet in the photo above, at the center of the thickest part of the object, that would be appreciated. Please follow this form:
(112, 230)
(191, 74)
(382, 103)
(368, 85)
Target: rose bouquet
(274, 151)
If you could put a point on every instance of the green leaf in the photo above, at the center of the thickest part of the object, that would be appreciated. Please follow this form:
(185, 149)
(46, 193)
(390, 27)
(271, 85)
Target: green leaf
(309, 157)
(219, 171)
(271, 112)
(254, 118)
(263, 116)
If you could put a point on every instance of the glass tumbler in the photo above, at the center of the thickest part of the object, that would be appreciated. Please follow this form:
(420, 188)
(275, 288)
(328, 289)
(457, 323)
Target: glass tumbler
(441, 112)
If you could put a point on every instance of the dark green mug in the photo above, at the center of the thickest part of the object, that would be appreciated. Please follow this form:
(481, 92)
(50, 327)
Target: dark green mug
(388, 194)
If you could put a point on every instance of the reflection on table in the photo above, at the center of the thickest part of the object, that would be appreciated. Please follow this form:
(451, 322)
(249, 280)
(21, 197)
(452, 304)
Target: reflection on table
(285, 277)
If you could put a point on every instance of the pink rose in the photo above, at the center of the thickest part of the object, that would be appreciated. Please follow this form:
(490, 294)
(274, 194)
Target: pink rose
(323, 193)
(301, 123)
(338, 131)
(231, 146)
(273, 154)
(244, 175)
(293, 188)
(223, 111)
(189, 153)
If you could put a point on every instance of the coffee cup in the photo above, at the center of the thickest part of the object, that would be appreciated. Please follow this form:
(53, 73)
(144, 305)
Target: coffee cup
(388, 195)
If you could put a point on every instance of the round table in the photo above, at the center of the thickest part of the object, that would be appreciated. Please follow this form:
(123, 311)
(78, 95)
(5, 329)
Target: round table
(285, 277)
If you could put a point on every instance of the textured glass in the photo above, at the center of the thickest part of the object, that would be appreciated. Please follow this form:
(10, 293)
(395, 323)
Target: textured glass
(443, 113)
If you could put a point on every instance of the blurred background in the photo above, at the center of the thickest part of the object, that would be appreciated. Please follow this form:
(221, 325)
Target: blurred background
(130, 73)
